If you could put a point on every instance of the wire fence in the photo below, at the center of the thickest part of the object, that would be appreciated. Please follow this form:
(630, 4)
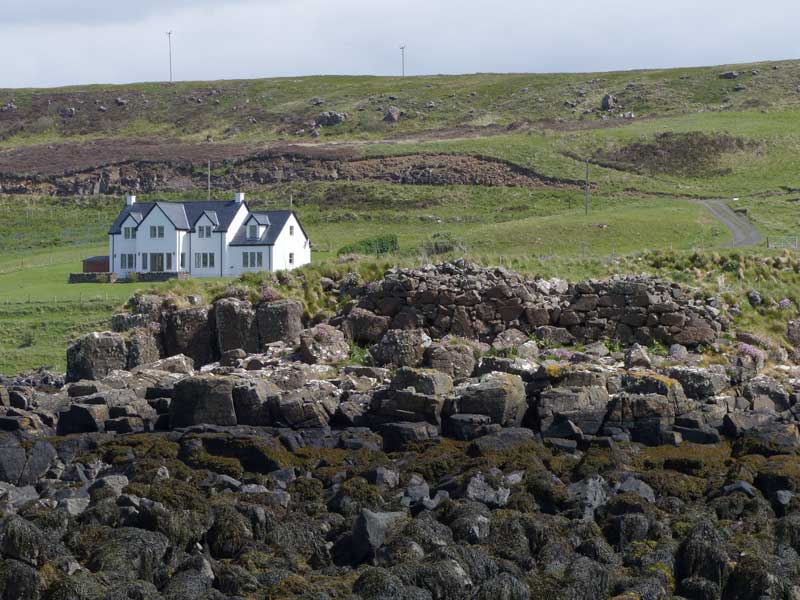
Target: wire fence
(48, 300)
(783, 242)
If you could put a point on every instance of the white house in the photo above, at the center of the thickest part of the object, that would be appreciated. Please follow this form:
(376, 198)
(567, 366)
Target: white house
(205, 238)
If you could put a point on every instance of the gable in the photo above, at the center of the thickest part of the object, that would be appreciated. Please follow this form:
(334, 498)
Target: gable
(156, 216)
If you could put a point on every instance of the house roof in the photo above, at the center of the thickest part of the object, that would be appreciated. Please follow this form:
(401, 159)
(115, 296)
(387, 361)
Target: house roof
(276, 220)
(183, 215)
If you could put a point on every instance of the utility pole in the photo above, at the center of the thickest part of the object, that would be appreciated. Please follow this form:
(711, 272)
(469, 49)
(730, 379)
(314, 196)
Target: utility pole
(169, 37)
(586, 202)
(403, 56)
(209, 180)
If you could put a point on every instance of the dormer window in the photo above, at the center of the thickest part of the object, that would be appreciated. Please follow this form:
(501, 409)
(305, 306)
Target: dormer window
(129, 233)
(252, 232)
(204, 231)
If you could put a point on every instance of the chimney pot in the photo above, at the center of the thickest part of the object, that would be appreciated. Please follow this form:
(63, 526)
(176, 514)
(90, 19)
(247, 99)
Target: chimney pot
(130, 199)
(239, 197)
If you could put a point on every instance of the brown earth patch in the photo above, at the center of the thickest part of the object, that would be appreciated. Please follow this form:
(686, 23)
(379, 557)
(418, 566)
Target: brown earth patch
(688, 154)
(174, 167)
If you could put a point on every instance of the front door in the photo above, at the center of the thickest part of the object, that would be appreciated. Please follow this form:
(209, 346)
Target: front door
(156, 262)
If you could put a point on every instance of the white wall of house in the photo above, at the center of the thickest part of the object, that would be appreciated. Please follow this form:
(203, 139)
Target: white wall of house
(153, 245)
(232, 257)
(203, 248)
(237, 254)
(127, 247)
(288, 244)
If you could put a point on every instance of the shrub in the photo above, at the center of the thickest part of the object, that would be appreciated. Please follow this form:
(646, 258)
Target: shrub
(27, 339)
(443, 243)
(379, 244)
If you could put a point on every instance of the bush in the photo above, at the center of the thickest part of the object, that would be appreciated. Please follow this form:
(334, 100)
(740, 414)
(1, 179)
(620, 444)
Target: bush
(379, 244)
(443, 243)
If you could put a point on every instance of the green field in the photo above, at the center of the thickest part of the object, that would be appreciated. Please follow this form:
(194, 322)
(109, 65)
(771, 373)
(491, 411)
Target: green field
(725, 144)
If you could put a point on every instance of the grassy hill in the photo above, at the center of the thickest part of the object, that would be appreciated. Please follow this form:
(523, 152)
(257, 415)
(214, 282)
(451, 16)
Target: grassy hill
(671, 138)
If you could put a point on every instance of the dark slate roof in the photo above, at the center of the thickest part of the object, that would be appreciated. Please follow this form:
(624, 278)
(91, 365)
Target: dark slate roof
(261, 218)
(276, 219)
(183, 215)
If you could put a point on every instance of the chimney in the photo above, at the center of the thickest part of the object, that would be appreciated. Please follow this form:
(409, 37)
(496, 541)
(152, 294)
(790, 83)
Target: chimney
(239, 197)
(130, 199)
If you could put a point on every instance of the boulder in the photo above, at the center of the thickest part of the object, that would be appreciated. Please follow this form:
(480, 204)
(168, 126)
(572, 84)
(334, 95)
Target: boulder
(401, 348)
(236, 325)
(584, 406)
(396, 436)
(365, 327)
(252, 402)
(452, 356)
(330, 118)
(609, 102)
(509, 341)
(501, 396)
(700, 384)
(82, 418)
(280, 321)
(766, 394)
(480, 490)
(371, 530)
(323, 344)
(95, 355)
(424, 381)
(186, 331)
(202, 399)
(645, 416)
(392, 114)
(144, 347)
(637, 356)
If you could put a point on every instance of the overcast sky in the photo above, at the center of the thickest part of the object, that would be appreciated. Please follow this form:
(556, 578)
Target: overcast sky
(60, 42)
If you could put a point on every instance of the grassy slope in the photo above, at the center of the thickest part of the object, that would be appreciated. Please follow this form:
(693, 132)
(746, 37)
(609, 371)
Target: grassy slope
(540, 230)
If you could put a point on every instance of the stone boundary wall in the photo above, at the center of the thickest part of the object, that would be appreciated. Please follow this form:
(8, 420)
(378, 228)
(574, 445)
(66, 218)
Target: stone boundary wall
(92, 278)
(472, 302)
(159, 276)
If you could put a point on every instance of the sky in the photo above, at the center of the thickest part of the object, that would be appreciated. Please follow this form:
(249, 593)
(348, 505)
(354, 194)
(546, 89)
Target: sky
(47, 43)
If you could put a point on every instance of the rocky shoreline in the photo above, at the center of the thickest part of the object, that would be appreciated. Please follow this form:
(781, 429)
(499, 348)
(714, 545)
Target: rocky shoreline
(497, 438)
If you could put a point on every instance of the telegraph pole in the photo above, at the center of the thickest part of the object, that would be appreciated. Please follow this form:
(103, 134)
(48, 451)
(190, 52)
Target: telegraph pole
(586, 200)
(169, 37)
(403, 56)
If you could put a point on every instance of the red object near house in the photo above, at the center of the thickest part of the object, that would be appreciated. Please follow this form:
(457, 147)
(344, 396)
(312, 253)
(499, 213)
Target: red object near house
(95, 264)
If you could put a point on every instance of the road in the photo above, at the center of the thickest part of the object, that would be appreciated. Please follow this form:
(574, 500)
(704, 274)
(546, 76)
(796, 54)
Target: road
(744, 234)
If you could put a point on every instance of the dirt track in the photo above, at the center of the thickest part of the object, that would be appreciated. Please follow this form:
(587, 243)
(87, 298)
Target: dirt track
(744, 234)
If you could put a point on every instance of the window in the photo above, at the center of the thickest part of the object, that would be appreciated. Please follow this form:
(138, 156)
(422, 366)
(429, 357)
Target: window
(144, 261)
(291, 229)
(252, 259)
(204, 260)
(204, 231)
(156, 231)
(253, 233)
(183, 260)
(161, 231)
(169, 261)
(129, 232)
(128, 261)
(291, 258)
